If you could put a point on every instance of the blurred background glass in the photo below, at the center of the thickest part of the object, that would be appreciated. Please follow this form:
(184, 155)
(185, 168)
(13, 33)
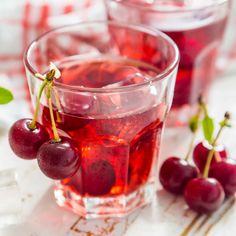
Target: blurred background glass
(227, 55)
(21, 21)
(197, 27)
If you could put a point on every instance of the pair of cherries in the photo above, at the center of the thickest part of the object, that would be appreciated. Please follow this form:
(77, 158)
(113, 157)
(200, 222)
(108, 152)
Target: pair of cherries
(58, 158)
(206, 184)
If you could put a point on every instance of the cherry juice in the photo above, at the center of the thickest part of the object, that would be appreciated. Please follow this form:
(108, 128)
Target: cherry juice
(117, 136)
(197, 33)
(198, 53)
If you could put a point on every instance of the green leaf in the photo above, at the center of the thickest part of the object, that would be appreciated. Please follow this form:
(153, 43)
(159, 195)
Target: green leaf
(208, 128)
(5, 96)
(194, 123)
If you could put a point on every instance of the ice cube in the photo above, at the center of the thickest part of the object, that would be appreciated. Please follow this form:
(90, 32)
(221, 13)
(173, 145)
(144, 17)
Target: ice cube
(126, 76)
(123, 102)
(76, 104)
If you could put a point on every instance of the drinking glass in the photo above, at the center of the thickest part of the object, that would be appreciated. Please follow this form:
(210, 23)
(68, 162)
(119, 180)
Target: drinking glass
(228, 48)
(116, 88)
(196, 27)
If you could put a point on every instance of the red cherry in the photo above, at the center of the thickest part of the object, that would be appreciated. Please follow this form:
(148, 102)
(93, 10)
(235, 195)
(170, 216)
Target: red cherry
(201, 151)
(99, 178)
(175, 173)
(225, 173)
(24, 141)
(59, 160)
(204, 195)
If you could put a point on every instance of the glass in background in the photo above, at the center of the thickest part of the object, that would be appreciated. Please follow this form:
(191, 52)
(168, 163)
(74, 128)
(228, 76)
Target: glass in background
(196, 27)
(228, 50)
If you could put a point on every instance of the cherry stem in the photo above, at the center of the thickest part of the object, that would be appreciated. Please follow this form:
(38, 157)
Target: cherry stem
(54, 129)
(199, 112)
(49, 77)
(202, 104)
(217, 156)
(214, 143)
(190, 146)
(58, 105)
(32, 125)
(56, 98)
(208, 163)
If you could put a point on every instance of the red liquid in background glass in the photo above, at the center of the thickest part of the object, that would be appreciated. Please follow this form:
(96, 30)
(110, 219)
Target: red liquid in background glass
(118, 149)
(198, 46)
(198, 53)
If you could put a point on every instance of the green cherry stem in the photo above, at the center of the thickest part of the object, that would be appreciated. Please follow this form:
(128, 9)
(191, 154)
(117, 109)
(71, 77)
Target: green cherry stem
(203, 106)
(58, 105)
(190, 146)
(54, 129)
(210, 156)
(195, 127)
(49, 77)
(32, 125)
(56, 99)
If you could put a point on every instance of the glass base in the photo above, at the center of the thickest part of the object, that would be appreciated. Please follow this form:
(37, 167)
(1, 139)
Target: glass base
(179, 117)
(98, 207)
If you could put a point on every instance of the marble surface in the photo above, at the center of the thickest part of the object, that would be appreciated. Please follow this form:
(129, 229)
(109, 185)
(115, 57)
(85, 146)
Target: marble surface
(27, 206)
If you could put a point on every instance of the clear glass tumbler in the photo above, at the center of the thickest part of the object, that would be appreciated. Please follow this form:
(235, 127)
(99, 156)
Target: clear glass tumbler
(196, 27)
(116, 88)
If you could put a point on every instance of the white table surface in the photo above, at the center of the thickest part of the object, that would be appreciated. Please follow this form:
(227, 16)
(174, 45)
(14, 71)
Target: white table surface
(27, 208)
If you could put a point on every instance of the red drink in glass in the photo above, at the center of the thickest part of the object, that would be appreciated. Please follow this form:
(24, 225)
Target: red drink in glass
(196, 27)
(198, 49)
(112, 104)
(126, 145)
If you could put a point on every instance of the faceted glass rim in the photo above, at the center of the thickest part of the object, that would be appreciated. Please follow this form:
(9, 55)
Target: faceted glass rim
(163, 75)
(184, 9)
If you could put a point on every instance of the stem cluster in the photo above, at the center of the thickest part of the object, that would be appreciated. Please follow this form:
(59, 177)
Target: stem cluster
(210, 156)
(47, 83)
(208, 128)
